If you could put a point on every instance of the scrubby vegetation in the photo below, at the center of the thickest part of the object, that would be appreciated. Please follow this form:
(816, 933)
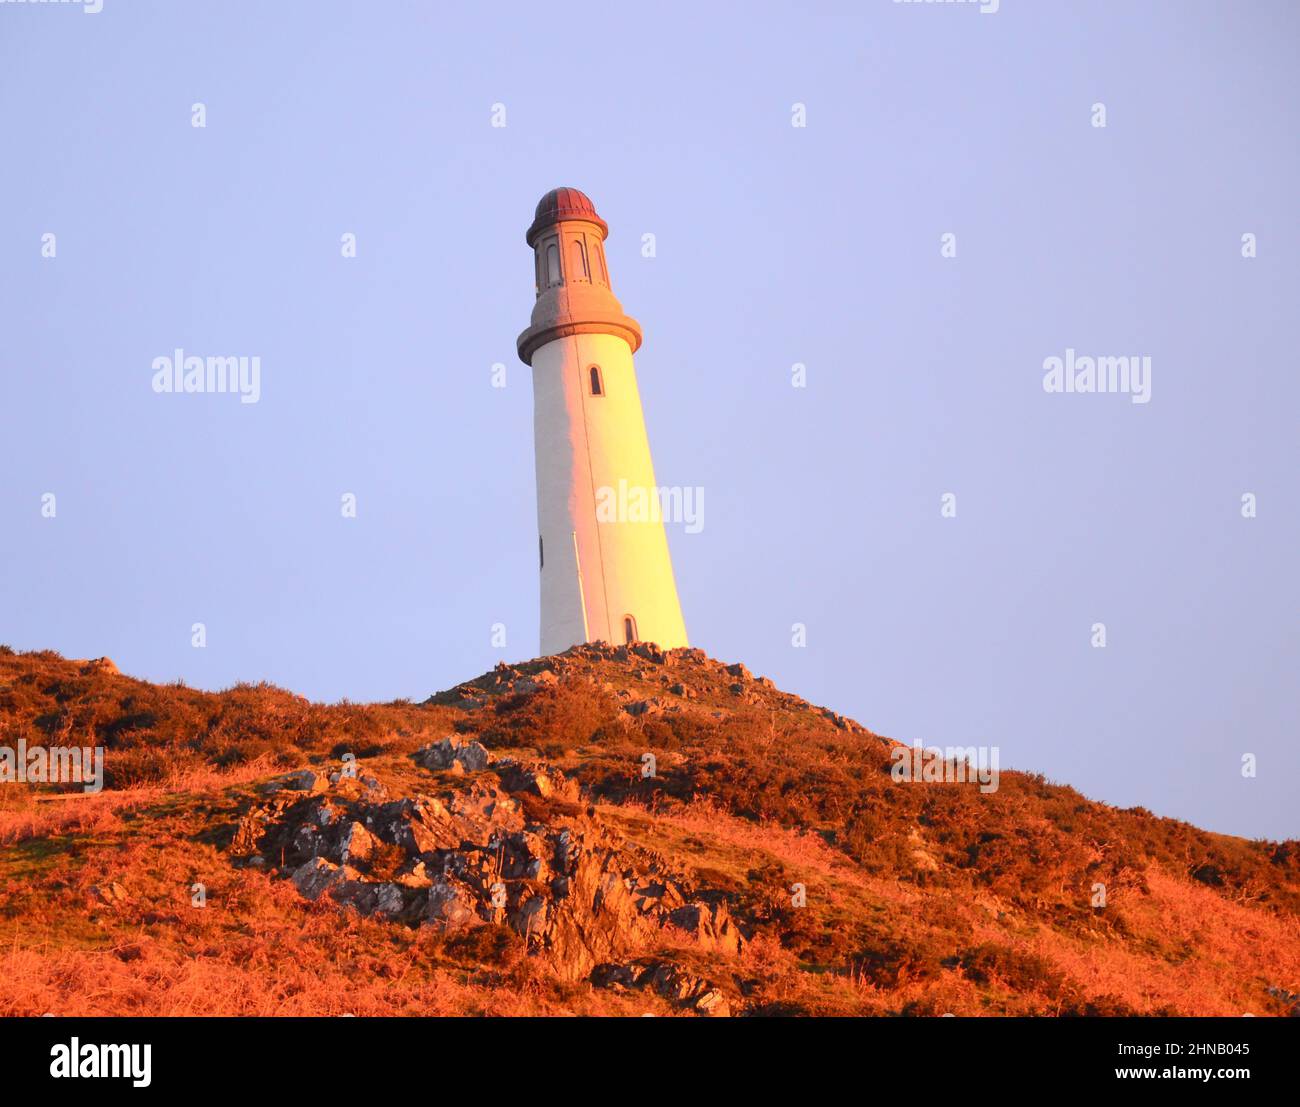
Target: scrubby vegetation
(154, 731)
(919, 899)
(780, 761)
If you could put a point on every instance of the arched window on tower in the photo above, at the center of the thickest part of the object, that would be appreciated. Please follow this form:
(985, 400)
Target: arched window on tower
(629, 629)
(552, 264)
(578, 271)
(597, 384)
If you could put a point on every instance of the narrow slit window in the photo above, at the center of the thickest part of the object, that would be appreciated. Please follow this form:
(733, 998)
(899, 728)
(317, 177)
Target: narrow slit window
(597, 384)
(629, 629)
(541, 553)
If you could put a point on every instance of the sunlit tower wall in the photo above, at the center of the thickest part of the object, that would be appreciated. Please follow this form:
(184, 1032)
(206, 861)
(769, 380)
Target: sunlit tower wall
(601, 579)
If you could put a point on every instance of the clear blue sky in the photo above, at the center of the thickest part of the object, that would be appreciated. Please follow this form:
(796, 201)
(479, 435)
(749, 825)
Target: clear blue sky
(775, 245)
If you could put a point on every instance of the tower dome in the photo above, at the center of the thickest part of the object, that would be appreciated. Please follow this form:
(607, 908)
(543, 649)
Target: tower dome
(562, 205)
(570, 275)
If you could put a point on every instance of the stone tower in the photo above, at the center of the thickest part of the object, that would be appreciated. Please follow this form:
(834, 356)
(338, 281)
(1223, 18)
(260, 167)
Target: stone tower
(606, 575)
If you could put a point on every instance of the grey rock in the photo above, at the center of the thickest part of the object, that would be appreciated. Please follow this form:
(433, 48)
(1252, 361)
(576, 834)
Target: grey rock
(452, 751)
(304, 780)
(450, 906)
(314, 877)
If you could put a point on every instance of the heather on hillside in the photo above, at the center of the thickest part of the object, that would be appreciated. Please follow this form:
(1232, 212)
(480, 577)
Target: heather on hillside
(502, 847)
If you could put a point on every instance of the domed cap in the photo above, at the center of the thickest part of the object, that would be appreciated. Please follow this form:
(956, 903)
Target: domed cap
(562, 205)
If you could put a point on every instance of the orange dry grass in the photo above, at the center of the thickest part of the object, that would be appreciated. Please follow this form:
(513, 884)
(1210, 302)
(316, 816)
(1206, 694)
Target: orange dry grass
(89, 815)
(1238, 953)
(1193, 951)
(919, 901)
(26, 814)
(255, 948)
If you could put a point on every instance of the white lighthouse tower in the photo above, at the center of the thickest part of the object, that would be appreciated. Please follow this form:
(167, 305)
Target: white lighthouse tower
(603, 577)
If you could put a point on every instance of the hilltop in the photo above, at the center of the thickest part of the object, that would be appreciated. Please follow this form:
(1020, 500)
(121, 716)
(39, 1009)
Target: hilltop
(507, 847)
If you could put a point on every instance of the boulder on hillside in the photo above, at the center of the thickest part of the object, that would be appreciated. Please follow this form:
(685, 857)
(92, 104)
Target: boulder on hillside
(453, 751)
(709, 925)
(450, 906)
(316, 876)
(304, 780)
(537, 778)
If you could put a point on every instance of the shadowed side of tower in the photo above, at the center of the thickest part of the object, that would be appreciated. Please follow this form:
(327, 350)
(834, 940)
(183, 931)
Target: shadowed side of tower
(602, 577)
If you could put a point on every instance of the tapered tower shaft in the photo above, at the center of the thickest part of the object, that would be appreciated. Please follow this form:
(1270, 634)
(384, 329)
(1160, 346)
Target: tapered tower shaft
(606, 573)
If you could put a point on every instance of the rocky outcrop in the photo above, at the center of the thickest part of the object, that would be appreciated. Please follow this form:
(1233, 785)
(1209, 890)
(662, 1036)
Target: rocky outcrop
(709, 926)
(495, 842)
(538, 778)
(453, 753)
(305, 780)
(668, 980)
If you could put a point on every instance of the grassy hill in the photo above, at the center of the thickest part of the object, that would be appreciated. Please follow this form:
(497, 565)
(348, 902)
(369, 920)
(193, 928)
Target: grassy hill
(498, 849)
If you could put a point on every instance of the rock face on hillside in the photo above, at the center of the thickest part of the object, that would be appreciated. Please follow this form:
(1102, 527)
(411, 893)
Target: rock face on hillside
(496, 842)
